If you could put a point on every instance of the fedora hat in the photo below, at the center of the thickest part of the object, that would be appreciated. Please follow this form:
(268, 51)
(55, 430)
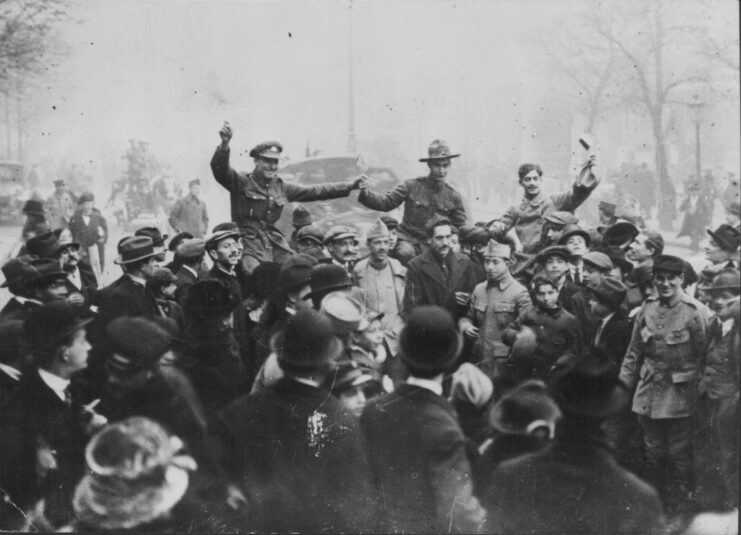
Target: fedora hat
(728, 279)
(620, 234)
(438, 150)
(17, 270)
(45, 269)
(727, 237)
(135, 248)
(50, 323)
(525, 408)
(429, 341)
(137, 344)
(137, 473)
(590, 389)
(209, 299)
(307, 342)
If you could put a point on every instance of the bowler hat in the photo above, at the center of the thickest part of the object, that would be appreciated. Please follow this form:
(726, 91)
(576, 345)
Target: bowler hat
(670, 263)
(50, 323)
(378, 230)
(307, 341)
(137, 345)
(727, 237)
(135, 248)
(33, 207)
(561, 218)
(312, 233)
(136, 474)
(574, 230)
(270, 150)
(158, 239)
(620, 234)
(438, 150)
(44, 245)
(390, 222)
(328, 277)
(293, 277)
(301, 216)
(610, 291)
(18, 270)
(525, 408)
(209, 299)
(340, 232)
(728, 279)
(177, 239)
(345, 312)
(598, 260)
(429, 341)
(590, 389)
(191, 248)
(86, 197)
(554, 250)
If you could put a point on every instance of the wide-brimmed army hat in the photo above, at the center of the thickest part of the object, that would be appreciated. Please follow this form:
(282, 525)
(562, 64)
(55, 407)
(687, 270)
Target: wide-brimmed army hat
(438, 150)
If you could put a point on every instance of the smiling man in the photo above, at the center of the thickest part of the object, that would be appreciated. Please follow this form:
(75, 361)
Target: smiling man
(258, 198)
(527, 218)
(663, 366)
(423, 198)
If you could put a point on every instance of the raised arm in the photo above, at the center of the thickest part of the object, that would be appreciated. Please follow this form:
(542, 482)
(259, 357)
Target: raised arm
(224, 175)
(384, 202)
(586, 182)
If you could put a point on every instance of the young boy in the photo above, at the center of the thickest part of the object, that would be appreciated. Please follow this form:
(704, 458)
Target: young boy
(556, 331)
(555, 262)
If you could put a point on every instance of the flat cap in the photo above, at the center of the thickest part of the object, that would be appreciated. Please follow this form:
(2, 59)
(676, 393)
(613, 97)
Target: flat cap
(598, 260)
(562, 218)
(340, 232)
(311, 232)
(191, 248)
(554, 250)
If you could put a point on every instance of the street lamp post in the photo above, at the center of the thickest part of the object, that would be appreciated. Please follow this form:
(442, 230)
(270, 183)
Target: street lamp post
(696, 106)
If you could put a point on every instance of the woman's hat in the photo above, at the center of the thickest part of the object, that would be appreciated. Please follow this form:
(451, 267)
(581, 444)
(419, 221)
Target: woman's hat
(525, 408)
(137, 474)
(429, 340)
(307, 342)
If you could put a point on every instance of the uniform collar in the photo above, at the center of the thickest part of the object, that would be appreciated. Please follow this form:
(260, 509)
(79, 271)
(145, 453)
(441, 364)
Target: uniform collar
(535, 201)
(502, 285)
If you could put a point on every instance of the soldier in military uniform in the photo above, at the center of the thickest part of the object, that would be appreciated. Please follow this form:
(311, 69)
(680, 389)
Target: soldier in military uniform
(423, 197)
(663, 364)
(257, 198)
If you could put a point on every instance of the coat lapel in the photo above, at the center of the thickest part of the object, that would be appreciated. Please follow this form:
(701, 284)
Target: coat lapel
(429, 265)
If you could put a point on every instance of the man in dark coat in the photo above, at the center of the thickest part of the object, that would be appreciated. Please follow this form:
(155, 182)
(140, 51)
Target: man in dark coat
(90, 229)
(415, 444)
(423, 198)
(439, 276)
(191, 253)
(81, 281)
(131, 297)
(257, 198)
(43, 427)
(575, 485)
(293, 447)
(189, 213)
(17, 272)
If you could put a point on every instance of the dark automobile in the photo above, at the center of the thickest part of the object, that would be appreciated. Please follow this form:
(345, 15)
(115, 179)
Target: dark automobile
(344, 211)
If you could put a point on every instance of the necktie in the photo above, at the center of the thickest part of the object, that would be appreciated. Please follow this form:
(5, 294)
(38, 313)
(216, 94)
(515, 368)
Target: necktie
(445, 270)
(577, 275)
(67, 396)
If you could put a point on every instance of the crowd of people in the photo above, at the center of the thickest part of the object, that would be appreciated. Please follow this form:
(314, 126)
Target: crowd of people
(521, 375)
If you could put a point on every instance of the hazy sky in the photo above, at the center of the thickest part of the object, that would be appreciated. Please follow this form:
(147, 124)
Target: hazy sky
(170, 72)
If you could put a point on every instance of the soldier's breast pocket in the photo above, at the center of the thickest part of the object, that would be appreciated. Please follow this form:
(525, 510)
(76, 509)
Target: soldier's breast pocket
(678, 342)
(417, 208)
(504, 313)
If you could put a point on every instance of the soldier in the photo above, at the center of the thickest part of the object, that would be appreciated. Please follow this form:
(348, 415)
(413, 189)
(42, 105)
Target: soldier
(663, 366)
(527, 218)
(189, 213)
(423, 198)
(257, 198)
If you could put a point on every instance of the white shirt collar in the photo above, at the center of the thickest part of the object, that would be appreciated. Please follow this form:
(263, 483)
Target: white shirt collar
(56, 383)
(725, 326)
(193, 271)
(305, 381)
(75, 278)
(607, 318)
(24, 300)
(11, 372)
(429, 384)
(137, 280)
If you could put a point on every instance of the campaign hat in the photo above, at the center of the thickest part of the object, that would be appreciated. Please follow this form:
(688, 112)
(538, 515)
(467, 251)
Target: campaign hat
(438, 150)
